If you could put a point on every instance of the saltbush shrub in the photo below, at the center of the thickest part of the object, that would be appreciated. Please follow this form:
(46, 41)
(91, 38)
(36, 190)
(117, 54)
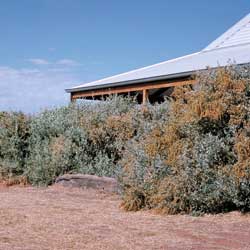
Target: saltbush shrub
(198, 160)
(14, 134)
(189, 154)
(83, 138)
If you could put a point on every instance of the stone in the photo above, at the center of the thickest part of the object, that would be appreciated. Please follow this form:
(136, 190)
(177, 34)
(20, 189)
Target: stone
(106, 184)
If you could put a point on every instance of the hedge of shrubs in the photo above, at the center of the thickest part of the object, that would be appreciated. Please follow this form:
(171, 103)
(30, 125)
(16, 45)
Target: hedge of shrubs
(190, 154)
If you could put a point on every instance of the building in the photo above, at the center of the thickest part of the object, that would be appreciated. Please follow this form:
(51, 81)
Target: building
(156, 81)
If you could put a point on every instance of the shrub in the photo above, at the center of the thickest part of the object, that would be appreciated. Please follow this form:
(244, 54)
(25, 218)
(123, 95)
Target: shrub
(85, 138)
(189, 154)
(198, 160)
(14, 134)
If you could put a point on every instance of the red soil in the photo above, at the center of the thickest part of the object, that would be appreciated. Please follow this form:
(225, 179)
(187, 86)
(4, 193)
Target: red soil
(60, 218)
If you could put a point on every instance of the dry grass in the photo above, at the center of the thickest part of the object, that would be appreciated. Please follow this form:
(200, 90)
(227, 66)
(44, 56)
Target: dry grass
(58, 218)
(13, 181)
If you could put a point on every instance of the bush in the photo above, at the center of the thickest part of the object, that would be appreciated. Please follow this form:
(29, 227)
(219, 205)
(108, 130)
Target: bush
(14, 134)
(198, 160)
(77, 139)
(189, 154)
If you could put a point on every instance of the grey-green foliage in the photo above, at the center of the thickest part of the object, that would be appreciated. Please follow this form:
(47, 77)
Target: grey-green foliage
(81, 138)
(210, 190)
(14, 134)
(194, 166)
(61, 141)
(204, 166)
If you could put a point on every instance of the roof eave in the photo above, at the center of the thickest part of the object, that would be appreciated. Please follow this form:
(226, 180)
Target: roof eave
(136, 81)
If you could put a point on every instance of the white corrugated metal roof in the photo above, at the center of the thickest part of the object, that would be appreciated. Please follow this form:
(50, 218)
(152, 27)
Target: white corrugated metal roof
(232, 47)
(237, 35)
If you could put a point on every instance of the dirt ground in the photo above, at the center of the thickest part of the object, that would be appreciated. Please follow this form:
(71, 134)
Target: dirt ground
(60, 218)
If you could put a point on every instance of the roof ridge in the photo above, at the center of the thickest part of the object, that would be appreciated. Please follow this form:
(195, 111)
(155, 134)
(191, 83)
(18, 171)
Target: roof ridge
(226, 47)
(230, 34)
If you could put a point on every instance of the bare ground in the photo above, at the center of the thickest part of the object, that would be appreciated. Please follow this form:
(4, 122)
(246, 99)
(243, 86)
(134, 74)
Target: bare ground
(59, 218)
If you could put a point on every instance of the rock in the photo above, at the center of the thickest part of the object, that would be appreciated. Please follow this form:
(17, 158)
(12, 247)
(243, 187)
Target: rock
(109, 185)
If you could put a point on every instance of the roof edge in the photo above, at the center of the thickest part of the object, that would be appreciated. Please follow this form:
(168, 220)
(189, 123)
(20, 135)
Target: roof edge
(124, 83)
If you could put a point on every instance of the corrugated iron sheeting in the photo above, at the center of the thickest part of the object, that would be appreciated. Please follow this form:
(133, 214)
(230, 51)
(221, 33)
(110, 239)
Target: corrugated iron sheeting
(233, 47)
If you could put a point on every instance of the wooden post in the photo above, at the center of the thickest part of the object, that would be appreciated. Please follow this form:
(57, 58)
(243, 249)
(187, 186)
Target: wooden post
(144, 96)
(72, 99)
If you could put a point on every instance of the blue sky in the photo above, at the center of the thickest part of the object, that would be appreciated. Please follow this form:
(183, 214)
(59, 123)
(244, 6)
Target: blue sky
(49, 45)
